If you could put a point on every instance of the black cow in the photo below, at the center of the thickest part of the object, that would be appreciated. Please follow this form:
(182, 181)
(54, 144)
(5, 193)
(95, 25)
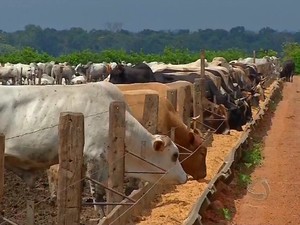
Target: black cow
(239, 110)
(288, 70)
(127, 75)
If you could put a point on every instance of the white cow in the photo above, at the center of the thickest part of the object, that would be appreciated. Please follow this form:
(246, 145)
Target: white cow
(9, 73)
(189, 67)
(94, 71)
(79, 79)
(29, 117)
(45, 80)
(27, 71)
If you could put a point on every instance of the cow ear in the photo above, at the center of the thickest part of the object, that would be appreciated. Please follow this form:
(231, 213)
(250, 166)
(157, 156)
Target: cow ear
(158, 145)
(191, 137)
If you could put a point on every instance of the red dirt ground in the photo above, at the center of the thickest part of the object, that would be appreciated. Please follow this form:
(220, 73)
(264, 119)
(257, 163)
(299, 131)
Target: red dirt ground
(280, 168)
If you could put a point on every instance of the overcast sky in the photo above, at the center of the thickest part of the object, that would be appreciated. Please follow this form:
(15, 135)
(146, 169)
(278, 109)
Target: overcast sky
(136, 15)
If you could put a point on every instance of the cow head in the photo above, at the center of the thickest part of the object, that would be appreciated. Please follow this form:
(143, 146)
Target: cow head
(194, 163)
(216, 118)
(239, 114)
(117, 74)
(162, 156)
(120, 69)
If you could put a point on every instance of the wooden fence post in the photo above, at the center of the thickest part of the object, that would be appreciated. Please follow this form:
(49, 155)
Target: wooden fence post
(202, 69)
(116, 152)
(2, 148)
(150, 115)
(254, 56)
(185, 103)
(71, 143)
(172, 97)
(198, 102)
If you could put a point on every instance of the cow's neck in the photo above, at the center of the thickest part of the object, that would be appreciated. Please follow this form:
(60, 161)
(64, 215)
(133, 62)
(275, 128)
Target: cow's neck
(173, 120)
(181, 135)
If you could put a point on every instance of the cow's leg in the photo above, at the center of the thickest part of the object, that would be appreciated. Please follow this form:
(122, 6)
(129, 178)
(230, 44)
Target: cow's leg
(95, 171)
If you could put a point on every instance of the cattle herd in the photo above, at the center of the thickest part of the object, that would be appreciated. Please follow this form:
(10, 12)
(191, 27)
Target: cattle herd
(29, 114)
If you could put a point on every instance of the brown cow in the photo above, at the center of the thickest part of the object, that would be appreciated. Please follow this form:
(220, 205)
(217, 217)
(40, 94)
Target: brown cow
(194, 164)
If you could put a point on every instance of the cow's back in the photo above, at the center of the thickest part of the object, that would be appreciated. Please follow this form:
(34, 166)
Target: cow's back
(29, 117)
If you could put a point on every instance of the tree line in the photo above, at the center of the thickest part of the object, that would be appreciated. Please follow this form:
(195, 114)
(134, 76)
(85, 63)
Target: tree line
(61, 42)
(34, 44)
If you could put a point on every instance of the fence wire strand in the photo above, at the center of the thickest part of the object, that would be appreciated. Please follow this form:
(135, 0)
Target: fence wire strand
(95, 115)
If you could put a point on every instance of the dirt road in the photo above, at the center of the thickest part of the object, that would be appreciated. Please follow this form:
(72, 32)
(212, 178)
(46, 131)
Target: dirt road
(280, 170)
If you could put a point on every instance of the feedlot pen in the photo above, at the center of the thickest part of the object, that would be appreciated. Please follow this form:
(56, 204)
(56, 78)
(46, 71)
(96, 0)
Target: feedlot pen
(171, 205)
(184, 203)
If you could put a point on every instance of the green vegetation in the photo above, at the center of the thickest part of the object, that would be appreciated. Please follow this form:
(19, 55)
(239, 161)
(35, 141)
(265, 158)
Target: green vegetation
(253, 156)
(291, 50)
(62, 42)
(169, 55)
(273, 106)
(227, 214)
(243, 180)
(76, 45)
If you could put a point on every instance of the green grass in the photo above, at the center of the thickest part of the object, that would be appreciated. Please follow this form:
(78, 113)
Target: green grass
(227, 214)
(250, 159)
(243, 180)
(273, 106)
(253, 157)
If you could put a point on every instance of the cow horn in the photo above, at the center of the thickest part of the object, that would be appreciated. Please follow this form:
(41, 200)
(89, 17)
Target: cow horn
(239, 100)
(195, 118)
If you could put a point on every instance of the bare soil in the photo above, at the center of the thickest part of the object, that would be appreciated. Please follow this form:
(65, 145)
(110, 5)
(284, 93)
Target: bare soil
(280, 168)
(273, 197)
(16, 194)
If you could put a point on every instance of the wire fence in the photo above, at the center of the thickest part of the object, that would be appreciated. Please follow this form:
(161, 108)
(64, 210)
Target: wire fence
(22, 201)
